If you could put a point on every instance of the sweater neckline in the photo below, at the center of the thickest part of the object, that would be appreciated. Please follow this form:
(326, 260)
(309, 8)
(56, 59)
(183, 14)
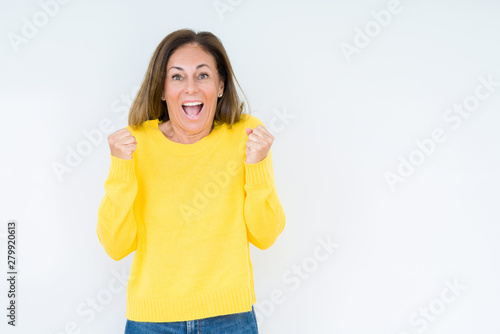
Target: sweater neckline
(204, 143)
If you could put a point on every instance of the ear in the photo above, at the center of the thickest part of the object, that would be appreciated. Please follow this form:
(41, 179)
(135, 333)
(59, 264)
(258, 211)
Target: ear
(221, 85)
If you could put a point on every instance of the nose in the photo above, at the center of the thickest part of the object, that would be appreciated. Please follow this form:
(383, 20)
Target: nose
(191, 86)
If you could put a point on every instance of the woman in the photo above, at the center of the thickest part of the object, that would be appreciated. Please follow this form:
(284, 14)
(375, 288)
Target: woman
(189, 186)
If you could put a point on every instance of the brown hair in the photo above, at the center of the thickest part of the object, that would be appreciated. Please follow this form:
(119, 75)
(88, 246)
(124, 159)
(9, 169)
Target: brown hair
(148, 104)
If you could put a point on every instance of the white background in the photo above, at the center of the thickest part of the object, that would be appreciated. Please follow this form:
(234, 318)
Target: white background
(352, 120)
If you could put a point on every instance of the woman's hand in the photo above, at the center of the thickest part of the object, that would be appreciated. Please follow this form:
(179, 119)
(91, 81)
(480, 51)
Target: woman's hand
(122, 144)
(258, 144)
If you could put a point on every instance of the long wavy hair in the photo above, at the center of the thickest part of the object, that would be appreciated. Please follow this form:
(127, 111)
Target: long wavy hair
(148, 104)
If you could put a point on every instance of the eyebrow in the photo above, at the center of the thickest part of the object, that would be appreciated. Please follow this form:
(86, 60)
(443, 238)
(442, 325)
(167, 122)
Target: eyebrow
(181, 69)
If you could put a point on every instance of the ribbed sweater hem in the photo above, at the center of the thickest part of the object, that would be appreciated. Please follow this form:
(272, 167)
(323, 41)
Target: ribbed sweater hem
(192, 307)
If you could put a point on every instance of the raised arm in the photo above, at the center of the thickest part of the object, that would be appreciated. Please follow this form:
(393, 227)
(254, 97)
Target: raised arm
(116, 225)
(264, 215)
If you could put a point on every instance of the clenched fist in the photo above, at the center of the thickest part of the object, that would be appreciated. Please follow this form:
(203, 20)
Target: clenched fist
(258, 144)
(122, 144)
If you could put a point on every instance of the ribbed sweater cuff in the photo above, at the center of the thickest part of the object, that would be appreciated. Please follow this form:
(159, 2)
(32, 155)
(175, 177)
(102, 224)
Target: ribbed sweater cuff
(260, 172)
(121, 169)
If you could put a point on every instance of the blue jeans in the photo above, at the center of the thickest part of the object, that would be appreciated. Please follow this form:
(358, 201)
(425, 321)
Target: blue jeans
(237, 323)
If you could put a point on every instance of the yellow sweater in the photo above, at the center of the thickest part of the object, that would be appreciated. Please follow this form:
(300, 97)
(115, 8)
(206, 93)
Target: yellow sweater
(189, 212)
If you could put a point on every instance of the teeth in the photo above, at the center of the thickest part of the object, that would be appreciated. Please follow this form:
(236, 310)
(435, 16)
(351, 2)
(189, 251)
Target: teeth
(192, 103)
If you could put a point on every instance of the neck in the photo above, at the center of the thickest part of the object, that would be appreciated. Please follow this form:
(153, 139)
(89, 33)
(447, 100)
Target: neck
(177, 135)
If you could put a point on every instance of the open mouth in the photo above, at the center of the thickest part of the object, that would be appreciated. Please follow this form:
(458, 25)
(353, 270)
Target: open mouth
(192, 110)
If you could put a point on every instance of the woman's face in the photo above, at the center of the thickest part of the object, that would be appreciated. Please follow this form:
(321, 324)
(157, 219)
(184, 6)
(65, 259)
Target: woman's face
(192, 87)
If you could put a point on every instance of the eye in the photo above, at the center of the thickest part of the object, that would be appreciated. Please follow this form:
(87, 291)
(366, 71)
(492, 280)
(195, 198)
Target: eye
(176, 76)
(204, 75)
